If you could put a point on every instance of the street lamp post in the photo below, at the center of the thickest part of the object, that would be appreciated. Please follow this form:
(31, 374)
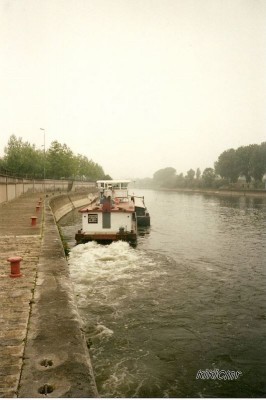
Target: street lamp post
(42, 129)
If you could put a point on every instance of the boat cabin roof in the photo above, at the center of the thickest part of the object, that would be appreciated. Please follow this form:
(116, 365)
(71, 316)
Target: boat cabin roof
(121, 207)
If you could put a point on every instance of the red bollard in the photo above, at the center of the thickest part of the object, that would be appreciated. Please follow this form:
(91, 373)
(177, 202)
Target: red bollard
(37, 208)
(15, 266)
(33, 221)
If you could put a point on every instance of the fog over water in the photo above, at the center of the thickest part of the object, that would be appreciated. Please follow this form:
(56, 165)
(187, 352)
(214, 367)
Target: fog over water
(190, 297)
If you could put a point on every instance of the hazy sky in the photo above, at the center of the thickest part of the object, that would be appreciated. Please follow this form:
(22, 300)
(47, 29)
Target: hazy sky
(135, 85)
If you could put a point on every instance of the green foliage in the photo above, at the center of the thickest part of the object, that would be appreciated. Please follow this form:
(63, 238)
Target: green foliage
(59, 161)
(246, 161)
(89, 168)
(258, 162)
(208, 178)
(243, 160)
(165, 177)
(198, 174)
(227, 166)
(23, 159)
(107, 177)
(180, 181)
(190, 175)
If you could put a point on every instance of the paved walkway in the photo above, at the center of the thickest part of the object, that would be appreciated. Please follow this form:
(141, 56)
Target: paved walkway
(17, 238)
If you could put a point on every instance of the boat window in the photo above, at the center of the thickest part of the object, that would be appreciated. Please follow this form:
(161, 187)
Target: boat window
(92, 218)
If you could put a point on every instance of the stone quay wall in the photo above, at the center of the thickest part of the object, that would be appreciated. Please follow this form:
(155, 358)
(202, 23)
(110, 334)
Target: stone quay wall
(11, 188)
(42, 346)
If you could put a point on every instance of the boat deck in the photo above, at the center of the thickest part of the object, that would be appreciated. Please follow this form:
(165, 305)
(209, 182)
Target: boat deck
(126, 206)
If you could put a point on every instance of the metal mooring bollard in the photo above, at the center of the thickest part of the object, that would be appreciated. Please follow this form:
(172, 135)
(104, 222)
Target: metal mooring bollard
(15, 266)
(37, 208)
(33, 221)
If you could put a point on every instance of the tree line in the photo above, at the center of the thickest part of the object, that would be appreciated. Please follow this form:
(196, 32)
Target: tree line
(23, 159)
(247, 163)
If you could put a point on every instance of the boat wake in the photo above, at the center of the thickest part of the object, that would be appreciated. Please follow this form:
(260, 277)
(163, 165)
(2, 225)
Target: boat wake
(114, 290)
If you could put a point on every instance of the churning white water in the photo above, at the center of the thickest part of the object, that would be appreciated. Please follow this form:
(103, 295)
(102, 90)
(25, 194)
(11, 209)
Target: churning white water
(111, 282)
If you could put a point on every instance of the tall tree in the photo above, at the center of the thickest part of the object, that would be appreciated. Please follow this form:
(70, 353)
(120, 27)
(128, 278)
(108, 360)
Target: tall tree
(243, 159)
(21, 157)
(165, 177)
(59, 161)
(190, 174)
(227, 166)
(258, 161)
(198, 174)
(208, 177)
(180, 181)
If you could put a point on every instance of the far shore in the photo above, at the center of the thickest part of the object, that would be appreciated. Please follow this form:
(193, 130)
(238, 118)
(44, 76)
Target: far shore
(218, 192)
(223, 192)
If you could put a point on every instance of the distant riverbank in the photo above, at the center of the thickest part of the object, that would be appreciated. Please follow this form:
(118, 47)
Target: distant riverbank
(217, 192)
(220, 192)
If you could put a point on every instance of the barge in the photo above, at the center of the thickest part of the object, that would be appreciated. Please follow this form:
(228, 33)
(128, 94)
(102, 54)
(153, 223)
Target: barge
(143, 217)
(112, 217)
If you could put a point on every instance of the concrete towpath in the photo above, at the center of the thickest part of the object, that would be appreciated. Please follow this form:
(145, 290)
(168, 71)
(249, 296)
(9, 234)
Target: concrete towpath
(17, 238)
(43, 352)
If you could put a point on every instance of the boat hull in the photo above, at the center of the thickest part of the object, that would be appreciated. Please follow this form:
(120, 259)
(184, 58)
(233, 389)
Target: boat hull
(83, 237)
(143, 220)
(142, 215)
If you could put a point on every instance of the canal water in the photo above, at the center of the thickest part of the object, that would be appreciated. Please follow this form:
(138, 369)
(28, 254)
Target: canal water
(191, 297)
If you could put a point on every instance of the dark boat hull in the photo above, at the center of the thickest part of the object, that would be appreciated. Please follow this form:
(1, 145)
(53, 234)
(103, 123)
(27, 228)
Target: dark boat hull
(143, 220)
(105, 238)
